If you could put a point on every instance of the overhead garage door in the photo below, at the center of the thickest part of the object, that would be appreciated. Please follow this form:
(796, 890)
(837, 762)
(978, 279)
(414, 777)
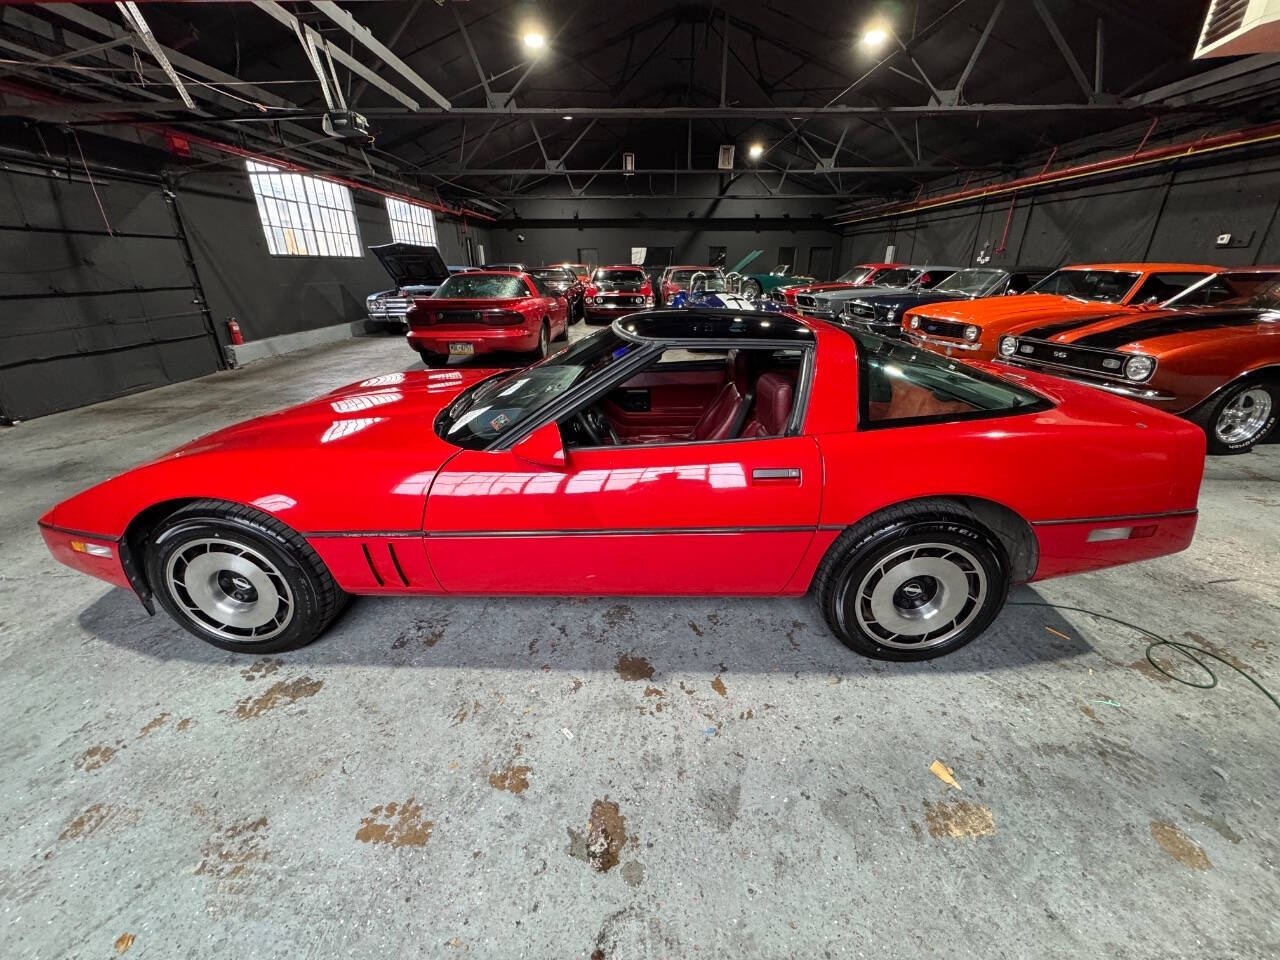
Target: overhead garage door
(95, 301)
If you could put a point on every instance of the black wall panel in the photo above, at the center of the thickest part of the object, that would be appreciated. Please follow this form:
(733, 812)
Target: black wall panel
(1237, 198)
(96, 299)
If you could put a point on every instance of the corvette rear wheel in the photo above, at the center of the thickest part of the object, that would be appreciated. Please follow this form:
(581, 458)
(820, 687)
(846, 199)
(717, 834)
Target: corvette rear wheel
(912, 583)
(1242, 416)
(239, 579)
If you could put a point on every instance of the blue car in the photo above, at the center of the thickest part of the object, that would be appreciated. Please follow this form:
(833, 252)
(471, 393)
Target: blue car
(708, 290)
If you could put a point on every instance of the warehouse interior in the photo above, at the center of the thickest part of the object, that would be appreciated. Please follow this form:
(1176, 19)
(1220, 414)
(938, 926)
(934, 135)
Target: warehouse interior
(459, 774)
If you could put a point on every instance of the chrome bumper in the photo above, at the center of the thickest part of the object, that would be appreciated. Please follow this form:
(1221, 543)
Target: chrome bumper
(920, 339)
(1133, 391)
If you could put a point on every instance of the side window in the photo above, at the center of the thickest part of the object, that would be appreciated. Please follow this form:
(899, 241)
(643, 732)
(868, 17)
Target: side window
(1022, 282)
(900, 384)
(540, 287)
(1159, 287)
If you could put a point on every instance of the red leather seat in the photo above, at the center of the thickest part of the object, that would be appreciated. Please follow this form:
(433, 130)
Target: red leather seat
(909, 400)
(725, 414)
(774, 397)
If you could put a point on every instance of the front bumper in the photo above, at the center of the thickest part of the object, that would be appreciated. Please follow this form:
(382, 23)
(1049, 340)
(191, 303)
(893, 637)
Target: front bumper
(436, 339)
(610, 310)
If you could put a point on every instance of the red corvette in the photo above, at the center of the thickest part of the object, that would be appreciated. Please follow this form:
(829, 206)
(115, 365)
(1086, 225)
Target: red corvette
(682, 452)
(485, 312)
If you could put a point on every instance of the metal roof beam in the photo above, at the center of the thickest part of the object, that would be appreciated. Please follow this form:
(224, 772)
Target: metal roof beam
(1061, 42)
(363, 36)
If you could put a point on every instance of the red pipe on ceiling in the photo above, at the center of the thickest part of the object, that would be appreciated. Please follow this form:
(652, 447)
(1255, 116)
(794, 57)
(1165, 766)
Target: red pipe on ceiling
(1224, 141)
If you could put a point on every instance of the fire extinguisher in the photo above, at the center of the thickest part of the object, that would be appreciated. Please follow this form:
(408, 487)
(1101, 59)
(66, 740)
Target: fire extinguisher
(233, 331)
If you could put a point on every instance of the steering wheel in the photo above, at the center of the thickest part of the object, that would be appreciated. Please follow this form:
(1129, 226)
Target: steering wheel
(598, 427)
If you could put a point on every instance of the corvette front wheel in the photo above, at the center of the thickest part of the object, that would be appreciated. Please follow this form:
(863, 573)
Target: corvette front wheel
(914, 584)
(239, 579)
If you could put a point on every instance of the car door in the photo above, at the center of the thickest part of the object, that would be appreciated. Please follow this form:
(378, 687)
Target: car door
(732, 517)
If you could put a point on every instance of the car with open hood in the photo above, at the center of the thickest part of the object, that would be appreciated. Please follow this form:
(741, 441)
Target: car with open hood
(694, 453)
(1214, 358)
(756, 285)
(972, 329)
(487, 311)
(882, 311)
(417, 270)
(710, 291)
(859, 275)
(829, 304)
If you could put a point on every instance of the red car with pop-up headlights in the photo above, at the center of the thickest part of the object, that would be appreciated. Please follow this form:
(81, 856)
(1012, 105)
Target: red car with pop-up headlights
(616, 291)
(486, 312)
(692, 452)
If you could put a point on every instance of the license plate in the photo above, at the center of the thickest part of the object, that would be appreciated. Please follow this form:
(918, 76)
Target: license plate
(461, 349)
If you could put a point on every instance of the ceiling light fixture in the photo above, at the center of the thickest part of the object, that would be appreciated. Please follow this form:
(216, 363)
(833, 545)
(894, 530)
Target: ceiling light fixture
(568, 116)
(755, 151)
(875, 37)
(535, 39)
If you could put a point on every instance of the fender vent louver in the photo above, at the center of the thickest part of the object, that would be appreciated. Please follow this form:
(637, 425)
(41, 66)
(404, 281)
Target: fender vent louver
(395, 561)
(368, 558)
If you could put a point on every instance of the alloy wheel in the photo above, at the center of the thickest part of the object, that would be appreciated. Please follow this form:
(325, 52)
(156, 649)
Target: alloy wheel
(1241, 420)
(919, 596)
(230, 589)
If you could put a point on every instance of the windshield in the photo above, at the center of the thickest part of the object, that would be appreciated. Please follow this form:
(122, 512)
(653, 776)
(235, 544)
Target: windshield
(897, 277)
(1100, 286)
(709, 283)
(489, 409)
(970, 283)
(903, 383)
(618, 276)
(682, 277)
(554, 274)
(481, 286)
(856, 275)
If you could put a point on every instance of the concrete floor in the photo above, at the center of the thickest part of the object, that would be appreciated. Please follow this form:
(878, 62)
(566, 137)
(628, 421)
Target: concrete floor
(439, 777)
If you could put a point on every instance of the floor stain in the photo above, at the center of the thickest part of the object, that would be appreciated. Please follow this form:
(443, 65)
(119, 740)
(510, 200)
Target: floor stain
(791, 633)
(1179, 846)
(95, 816)
(605, 837)
(261, 668)
(697, 630)
(959, 818)
(282, 693)
(464, 711)
(123, 943)
(1145, 667)
(1225, 655)
(616, 615)
(512, 779)
(653, 692)
(153, 725)
(1089, 712)
(718, 686)
(396, 825)
(1217, 824)
(96, 757)
(234, 853)
(633, 873)
(425, 631)
(183, 724)
(633, 668)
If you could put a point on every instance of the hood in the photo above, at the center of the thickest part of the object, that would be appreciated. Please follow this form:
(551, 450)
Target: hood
(1026, 306)
(1156, 332)
(742, 264)
(903, 299)
(410, 263)
(849, 293)
(380, 414)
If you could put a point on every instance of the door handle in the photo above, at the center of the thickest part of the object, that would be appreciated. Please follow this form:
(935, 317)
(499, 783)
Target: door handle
(776, 476)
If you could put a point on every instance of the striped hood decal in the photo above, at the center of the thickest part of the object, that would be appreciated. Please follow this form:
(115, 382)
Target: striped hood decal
(1067, 325)
(1147, 327)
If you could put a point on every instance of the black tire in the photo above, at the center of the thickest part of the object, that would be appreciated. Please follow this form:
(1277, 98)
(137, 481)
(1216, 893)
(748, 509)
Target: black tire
(865, 603)
(1251, 423)
(430, 359)
(257, 550)
(577, 311)
(543, 349)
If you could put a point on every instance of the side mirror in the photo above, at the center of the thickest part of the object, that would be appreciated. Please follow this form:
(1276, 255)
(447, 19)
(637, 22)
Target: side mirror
(544, 447)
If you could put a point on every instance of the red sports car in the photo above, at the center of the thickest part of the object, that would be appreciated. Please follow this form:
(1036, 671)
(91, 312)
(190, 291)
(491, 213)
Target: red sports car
(616, 291)
(485, 312)
(675, 279)
(675, 452)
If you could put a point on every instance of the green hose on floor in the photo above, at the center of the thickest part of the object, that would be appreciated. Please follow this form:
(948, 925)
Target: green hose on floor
(1186, 649)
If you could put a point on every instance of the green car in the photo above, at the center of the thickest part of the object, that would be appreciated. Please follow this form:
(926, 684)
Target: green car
(756, 285)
